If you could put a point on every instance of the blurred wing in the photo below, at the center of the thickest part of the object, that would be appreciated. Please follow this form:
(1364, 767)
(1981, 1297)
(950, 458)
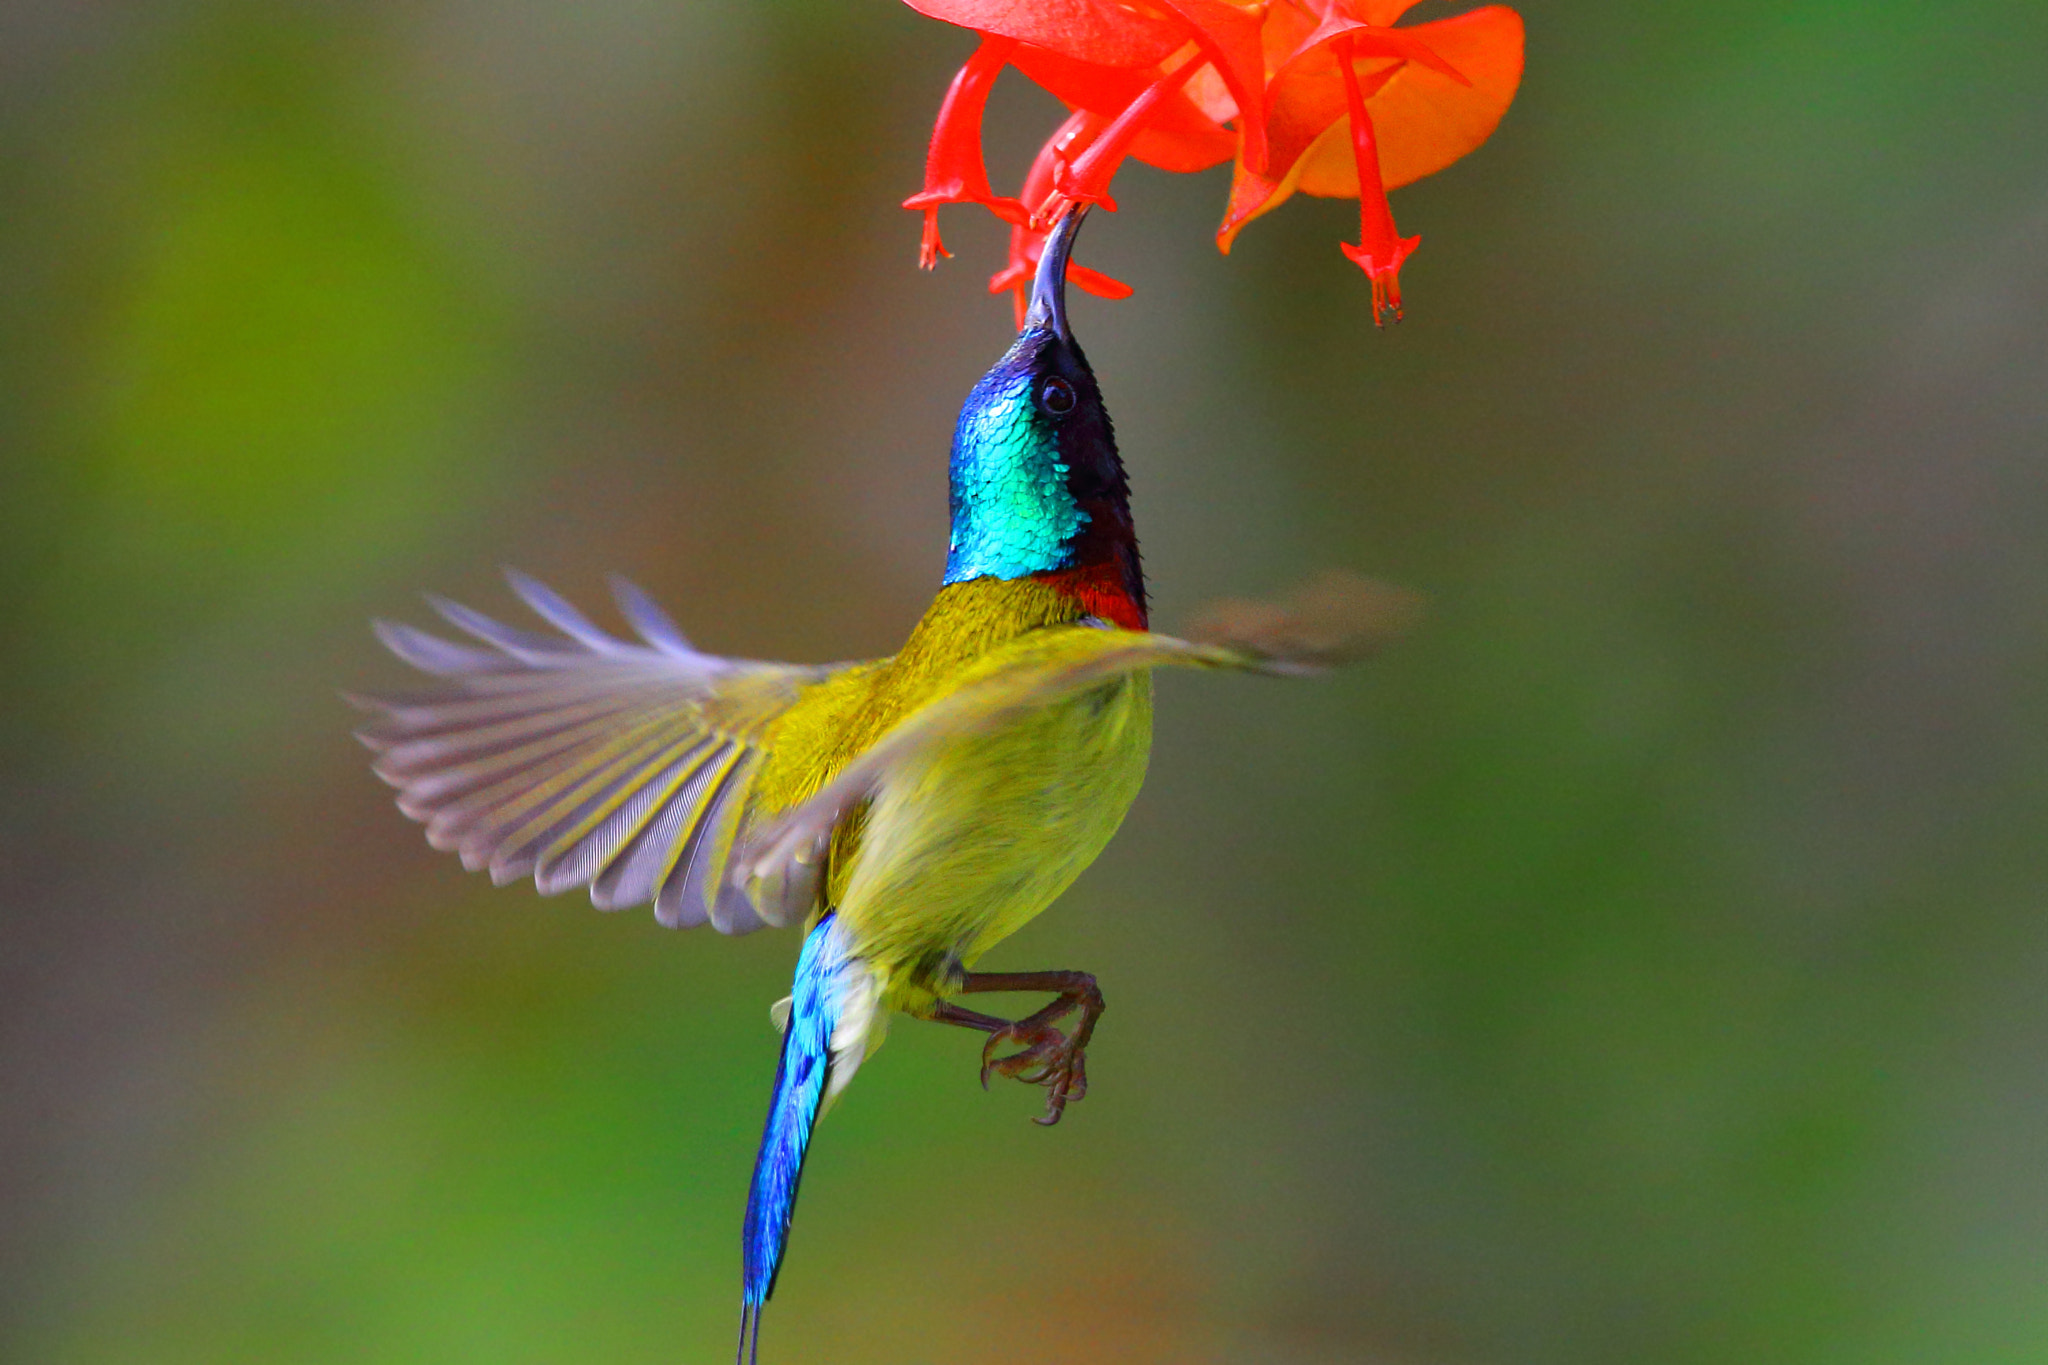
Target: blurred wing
(583, 759)
(1335, 619)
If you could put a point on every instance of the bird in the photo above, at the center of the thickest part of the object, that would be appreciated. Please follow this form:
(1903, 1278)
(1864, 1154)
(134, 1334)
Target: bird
(909, 812)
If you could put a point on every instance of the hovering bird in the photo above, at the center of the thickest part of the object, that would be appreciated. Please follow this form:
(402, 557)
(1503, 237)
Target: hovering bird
(910, 812)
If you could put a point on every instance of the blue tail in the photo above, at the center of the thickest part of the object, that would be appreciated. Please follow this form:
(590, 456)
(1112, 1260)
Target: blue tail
(815, 1010)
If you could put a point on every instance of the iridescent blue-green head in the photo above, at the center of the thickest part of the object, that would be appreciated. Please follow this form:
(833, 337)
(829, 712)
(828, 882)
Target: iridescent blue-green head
(1037, 487)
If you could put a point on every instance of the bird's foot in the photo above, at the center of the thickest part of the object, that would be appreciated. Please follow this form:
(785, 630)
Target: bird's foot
(1049, 1058)
(1047, 1054)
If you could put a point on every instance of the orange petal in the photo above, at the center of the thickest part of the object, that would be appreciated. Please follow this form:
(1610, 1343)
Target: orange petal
(1185, 152)
(1286, 26)
(1306, 94)
(1424, 120)
(1306, 106)
(1229, 38)
(1097, 283)
(1252, 194)
(1381, 12)
(1109, 90)
(1099, 31)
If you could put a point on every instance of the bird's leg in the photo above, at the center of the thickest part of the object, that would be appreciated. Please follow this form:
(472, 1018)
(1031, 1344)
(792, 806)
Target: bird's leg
(946, 1012)
(1048, 1055)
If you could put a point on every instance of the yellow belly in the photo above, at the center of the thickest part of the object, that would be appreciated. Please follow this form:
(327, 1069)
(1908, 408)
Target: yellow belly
(961, 851)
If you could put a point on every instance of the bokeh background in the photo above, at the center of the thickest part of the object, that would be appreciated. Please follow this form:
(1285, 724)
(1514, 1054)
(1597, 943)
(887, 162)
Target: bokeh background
(1646, 961)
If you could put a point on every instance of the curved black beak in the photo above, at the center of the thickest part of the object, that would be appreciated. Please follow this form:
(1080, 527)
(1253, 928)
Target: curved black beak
(1049, 287)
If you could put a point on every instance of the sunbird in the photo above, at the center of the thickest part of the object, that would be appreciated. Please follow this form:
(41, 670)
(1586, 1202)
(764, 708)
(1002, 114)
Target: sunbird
(910, 812)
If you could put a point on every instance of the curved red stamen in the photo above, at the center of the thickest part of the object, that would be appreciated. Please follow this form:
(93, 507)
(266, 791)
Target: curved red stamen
(954, 172)
(1381, 248)
(1086, 180)
(1081, 128)
(929, 247)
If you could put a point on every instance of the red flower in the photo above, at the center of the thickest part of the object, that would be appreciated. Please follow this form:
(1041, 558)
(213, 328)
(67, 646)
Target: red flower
(1324, 96)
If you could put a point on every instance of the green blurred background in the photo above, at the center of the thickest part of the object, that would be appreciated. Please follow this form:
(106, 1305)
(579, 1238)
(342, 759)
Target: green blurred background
(1643, 962)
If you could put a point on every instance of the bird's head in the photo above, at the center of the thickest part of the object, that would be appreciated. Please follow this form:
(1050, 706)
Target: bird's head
(1037, 486)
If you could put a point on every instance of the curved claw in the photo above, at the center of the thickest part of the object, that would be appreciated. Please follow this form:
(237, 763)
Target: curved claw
(1071, 1086)
(1045, 1046)
(1046, 1054)
(1049, 1057)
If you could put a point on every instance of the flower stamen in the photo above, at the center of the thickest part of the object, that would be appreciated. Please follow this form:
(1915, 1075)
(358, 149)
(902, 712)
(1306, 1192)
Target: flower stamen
(954, 171)
(1086, 179)
(1381, 248)
(1073, 137)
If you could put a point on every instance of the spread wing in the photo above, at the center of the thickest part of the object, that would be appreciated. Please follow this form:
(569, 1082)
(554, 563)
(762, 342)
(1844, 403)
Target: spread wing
(1334, 619)
(583, 759)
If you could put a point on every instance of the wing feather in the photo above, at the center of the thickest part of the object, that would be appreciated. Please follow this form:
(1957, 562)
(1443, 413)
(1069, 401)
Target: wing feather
(581, 758)
(647, 619)
(522, 646)
(704, 881)
(456, 799)
(673, 907)
(484, 699)
(595, 790)
(460, 756)
(576, 858)
(554, 609)
(633, 875)
(430, 654)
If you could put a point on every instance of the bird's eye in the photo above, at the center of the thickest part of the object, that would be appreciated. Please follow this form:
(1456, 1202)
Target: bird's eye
(1056, 396)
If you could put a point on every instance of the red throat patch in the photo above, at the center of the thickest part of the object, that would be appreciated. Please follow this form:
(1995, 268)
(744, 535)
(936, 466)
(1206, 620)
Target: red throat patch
(1101, 591)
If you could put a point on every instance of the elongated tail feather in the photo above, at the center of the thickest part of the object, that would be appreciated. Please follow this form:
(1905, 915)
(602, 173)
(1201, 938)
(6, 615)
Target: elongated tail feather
(832, 1009)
